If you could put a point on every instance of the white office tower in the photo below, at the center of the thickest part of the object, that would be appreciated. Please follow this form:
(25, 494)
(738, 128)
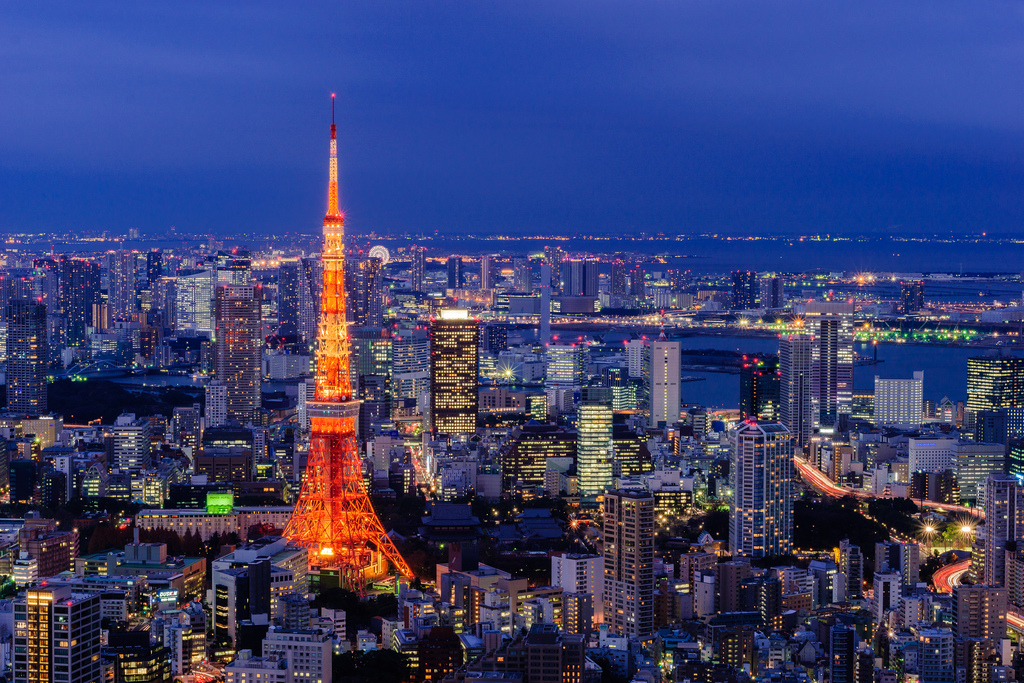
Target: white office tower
(898, 402)
(797, 407)
(629, 562)
(761, 515)
(1003, 524)
(663, 387)
(831, 325)
(216, 404)
(635, 357)
(581, 575)
(194, 302)
(411, 362)
(594, 449)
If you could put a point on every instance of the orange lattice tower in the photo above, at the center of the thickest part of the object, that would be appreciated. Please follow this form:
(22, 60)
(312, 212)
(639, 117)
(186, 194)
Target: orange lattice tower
(334, 518)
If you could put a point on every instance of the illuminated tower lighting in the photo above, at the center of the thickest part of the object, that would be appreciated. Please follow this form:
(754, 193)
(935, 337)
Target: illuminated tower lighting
(334, 518)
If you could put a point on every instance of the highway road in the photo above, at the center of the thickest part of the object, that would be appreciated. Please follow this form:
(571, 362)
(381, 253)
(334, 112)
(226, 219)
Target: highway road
(947, 578)
(822, 484)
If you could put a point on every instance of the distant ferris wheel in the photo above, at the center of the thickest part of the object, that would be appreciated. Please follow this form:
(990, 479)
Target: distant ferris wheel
(380, 252)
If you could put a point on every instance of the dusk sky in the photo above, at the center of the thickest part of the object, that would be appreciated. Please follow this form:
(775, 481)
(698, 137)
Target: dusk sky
(471, 117)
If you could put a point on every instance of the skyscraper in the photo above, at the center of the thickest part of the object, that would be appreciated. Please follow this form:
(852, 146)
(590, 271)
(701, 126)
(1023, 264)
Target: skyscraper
(579, 277)
(364, 291)
(1004, 523)
(295, 303)
(486, 272)
(629, 562)
(831, 325)
(122, 295)
(744, 290)
(565, 364)
(898, 401)
(759, 388)
(454, 372)
(594, 449)
(456, 277)
(663, 378)
(79, 290)
(27, 357)
(770, 295)
(193, 292)
(995, 382)
(372, 365)
(522, 275)
(554, 257)
(154, 266)
(911, 296)
(797, 408)
(60, 632)
(418, 268)
(239, 346)
(411, 353)
(761, 472)
(619, 285)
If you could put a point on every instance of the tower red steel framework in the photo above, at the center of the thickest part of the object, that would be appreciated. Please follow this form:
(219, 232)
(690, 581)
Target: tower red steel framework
(334, 518)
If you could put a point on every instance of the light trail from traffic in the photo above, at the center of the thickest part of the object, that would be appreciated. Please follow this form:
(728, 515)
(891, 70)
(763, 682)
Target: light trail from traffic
(947, 578)
(822, 484)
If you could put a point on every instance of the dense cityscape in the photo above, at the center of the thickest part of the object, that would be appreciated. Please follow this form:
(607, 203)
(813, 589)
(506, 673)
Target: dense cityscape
(365, 460)
(582, 341)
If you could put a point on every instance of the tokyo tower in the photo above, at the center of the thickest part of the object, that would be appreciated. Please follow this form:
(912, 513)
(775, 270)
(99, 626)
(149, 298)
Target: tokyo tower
(334, 518)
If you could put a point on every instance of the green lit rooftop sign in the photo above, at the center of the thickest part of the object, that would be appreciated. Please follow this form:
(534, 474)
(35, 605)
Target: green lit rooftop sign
(219, 503)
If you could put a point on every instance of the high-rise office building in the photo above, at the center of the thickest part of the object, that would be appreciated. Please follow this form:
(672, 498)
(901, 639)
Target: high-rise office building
(851, 563)
(936, 655)
(456, 276)
(581, 575)
(745, 289)
(979, 612)
(154, 266)
(371, 362)
(296, 307)
(594, 449)
(565, 364)
(761, 473)
(797, 407)
(522, 275)
(121, 295)
(193, 293)
(239, 348)
(1004, 524)
(911, 296)
(831, 325)
(418, 268)
(663, 382)
(364, 291)
(27, 357)
(57, 636)
(759, 388)
(79, 290)
(771, 295)
(995, 382)
(411, 365)
(628, 535)
(579, 277)
(454, 372)
(898, 401)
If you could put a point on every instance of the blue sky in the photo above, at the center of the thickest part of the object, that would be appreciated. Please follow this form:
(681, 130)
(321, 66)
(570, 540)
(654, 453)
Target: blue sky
(679, 116)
